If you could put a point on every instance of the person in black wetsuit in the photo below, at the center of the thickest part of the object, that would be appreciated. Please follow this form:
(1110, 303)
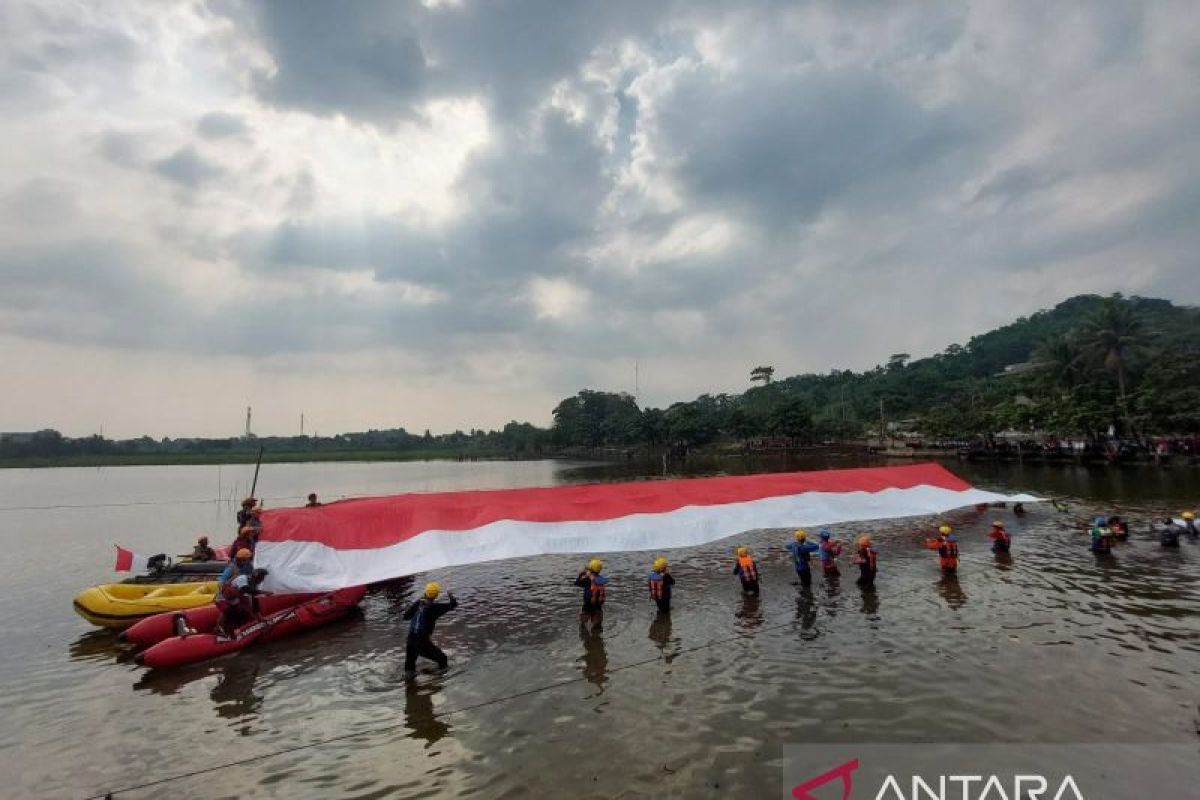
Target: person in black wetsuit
(1168, 533)
(423, 616)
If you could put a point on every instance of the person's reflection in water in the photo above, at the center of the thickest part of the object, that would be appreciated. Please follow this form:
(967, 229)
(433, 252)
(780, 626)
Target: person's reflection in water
(234, 696)
(870, 601)
(806, 612)
(950, 590)
(749, 616)
(660, 634)
(595, 657)
(422, 721)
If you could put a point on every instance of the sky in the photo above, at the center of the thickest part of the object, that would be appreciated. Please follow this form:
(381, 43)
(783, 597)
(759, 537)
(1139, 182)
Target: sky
(453, 214)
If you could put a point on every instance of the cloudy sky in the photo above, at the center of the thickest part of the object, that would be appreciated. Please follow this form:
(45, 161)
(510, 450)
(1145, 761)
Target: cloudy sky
(452, 214)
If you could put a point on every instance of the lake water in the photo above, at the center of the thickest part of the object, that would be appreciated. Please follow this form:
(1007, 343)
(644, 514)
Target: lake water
(1055, 646)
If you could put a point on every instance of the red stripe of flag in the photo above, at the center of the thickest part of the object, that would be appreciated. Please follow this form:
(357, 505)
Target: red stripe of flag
(380, 521)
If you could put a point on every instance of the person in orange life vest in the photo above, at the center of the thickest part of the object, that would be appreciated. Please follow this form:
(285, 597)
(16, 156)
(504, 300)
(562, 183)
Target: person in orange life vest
(1001, 541)
(867, 559)
(946, 545)
(746, 570)
(661, 582)
(830, 550)
(233, 586)
(594, 587)
(1120, 530)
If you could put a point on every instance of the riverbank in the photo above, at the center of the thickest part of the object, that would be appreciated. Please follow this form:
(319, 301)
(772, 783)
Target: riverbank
(246, 457)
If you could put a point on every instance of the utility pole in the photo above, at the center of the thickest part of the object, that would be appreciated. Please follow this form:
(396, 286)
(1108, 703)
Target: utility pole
(636, 386)
(247, 422)
(301, 423)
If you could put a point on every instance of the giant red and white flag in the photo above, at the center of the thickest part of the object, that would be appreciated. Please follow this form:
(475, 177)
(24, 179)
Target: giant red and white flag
(353, 542)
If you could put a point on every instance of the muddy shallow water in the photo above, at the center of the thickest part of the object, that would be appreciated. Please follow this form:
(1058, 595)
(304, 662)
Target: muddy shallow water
(1052, 646)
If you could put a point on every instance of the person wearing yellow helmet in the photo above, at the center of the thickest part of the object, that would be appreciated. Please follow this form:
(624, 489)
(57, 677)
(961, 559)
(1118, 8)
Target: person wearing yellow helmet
(746, 570)
(1189, 525)
(867, 559)
(423, 615)
(595, 589)
(661, 583)
(946, 545)
(802, 550)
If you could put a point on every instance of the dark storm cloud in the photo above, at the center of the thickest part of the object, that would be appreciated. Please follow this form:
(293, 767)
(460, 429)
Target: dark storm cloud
(839, 179)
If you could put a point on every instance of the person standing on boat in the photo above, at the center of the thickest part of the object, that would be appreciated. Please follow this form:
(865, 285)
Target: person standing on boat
(423, 616)
(595, 587)
(242, 563)
(243, 515)
(233, 586)
(247, 539)
(661, 583)
(202, 552)
(802, 550)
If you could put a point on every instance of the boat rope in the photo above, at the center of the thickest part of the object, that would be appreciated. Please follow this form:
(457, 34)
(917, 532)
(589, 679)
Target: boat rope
(395, 726)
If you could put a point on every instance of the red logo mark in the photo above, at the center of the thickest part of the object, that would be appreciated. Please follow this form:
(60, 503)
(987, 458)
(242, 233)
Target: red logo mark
(801, 792)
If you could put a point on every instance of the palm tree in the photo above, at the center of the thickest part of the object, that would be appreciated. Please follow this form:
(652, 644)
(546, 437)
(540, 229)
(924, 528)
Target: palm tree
(1062, 360)
(1115, 334)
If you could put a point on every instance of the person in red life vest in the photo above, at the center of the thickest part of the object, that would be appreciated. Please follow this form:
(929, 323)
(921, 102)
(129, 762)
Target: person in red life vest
(1101, 537)
(247, 539)
(1120, 530)
(1001, 541)
(746, 570)
(423, 615)
(594, 586)
(830, 550)
(661, 582)
(867, 559)
(946, 545)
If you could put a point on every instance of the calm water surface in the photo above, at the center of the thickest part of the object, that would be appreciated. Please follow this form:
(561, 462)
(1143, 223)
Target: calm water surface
(1054, 646)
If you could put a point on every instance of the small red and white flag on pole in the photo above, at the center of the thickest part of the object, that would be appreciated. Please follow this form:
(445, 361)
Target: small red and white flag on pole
(129, 561)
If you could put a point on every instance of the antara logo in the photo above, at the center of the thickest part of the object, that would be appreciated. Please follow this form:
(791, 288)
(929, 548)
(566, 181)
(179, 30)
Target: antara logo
(947, 787)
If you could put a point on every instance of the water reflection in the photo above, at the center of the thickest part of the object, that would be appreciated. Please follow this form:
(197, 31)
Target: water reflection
(101, 645)
(749, 615)
(1003, 560)
(419, 715)
(806, 611)
(595, 657)
(660, 634)
(234, 696)
(870, 601)
(951, 591)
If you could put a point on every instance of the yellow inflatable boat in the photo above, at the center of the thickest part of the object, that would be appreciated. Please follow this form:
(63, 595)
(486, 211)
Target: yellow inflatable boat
(119, 605)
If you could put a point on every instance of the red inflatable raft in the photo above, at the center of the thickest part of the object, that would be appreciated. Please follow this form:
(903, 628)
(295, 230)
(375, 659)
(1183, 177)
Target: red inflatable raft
(311, 612)
(152, 630)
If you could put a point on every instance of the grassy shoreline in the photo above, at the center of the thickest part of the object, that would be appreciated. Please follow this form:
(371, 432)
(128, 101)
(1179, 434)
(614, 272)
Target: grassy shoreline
(284, 457)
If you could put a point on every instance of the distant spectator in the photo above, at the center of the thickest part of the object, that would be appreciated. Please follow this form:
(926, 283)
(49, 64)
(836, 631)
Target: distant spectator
(312, 501)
